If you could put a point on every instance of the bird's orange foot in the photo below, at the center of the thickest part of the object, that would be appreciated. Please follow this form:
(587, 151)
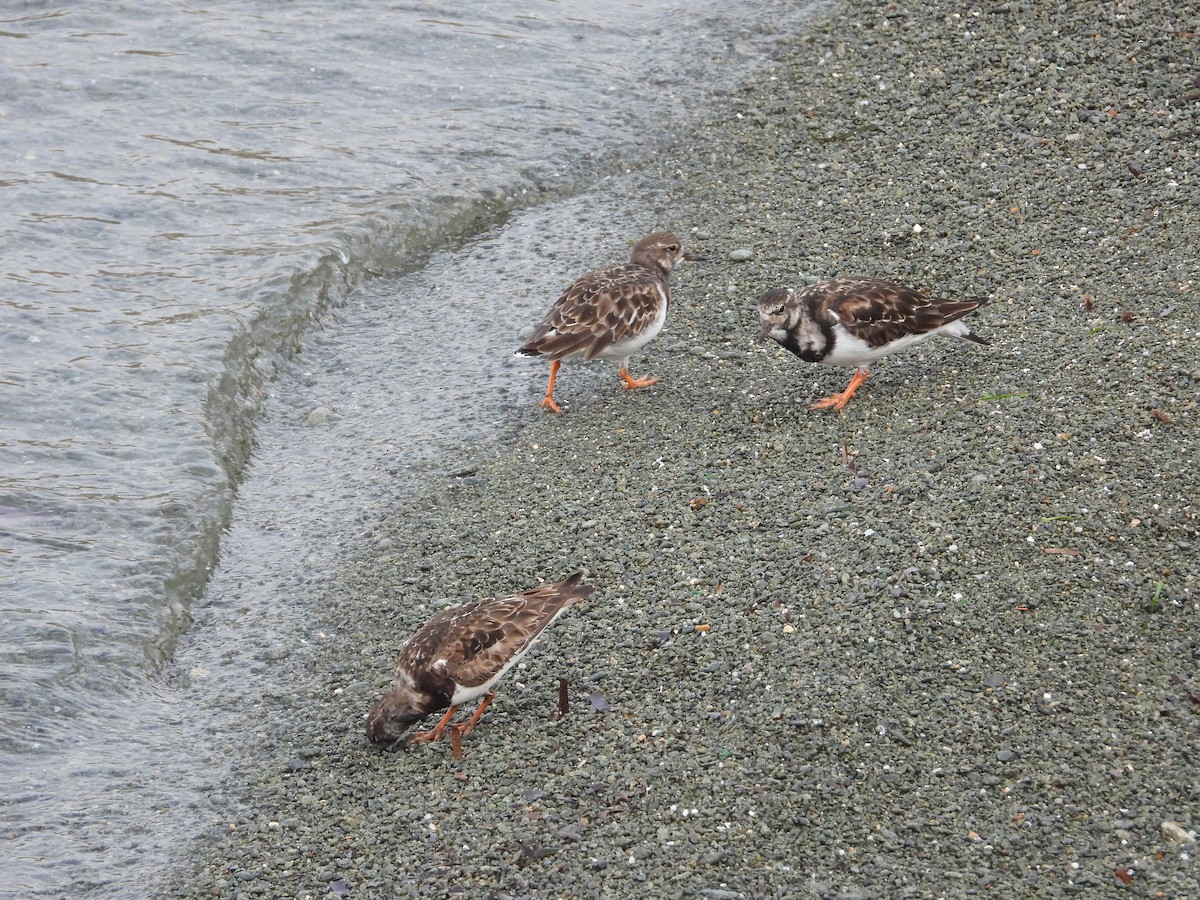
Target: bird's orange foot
(632, 384)
(435, 732)
(838, 402)
(423, 737)
(467, 727)
(548, 400)
(462, 729)
(833, 401)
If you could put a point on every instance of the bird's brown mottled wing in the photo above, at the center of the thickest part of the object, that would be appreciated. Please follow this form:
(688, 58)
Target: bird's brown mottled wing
(477, 640)
(879, 312)
(602, 308)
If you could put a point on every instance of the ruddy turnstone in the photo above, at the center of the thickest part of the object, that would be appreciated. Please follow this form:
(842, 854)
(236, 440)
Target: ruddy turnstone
(610, 313)
(461, 653)
(855, 321)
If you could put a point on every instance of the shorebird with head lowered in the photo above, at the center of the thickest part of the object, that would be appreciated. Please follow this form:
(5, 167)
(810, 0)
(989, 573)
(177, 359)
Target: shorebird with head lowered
(460, 654)
(855, 321)
(610, 313)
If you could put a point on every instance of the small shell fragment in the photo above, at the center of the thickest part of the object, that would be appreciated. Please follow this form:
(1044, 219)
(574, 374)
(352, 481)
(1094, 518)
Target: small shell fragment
(1175, 833)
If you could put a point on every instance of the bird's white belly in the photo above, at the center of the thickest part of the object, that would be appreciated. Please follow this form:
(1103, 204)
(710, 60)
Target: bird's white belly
(851, 351)
(624, 349)
(464, 694)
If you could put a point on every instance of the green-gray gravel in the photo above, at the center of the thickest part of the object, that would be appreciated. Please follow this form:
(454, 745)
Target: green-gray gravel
(944, 643)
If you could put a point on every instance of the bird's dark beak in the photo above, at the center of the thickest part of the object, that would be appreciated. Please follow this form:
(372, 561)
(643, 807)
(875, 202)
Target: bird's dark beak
(765, 333)
(693, 257)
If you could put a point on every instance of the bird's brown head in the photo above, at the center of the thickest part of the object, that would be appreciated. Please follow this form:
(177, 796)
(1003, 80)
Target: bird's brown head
(773, 312)
(391, 718)
(661, 250)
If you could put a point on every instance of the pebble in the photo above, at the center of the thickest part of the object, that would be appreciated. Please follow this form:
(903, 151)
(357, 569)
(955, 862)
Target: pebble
(318, 416)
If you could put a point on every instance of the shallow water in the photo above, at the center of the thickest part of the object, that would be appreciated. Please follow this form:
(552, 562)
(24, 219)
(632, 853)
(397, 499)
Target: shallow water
(189, 198)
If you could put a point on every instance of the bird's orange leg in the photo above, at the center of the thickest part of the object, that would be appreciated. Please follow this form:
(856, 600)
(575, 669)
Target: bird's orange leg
(631, 383)
(548, 400)
(838, 401)
(436, 732)
(469, 726)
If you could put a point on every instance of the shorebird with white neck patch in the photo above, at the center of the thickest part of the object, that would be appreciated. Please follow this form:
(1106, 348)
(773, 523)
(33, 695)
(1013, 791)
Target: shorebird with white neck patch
(855, 321)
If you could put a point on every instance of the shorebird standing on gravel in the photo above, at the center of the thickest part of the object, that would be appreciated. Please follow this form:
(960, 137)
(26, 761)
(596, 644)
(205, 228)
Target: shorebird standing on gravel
(460, 653)
(855, 321)
(610, 313)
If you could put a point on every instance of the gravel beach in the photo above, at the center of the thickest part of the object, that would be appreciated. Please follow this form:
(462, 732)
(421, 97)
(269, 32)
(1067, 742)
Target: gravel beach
(944, 643)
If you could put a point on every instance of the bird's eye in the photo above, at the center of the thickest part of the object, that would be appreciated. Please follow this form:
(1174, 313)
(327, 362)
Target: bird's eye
(674, 248)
